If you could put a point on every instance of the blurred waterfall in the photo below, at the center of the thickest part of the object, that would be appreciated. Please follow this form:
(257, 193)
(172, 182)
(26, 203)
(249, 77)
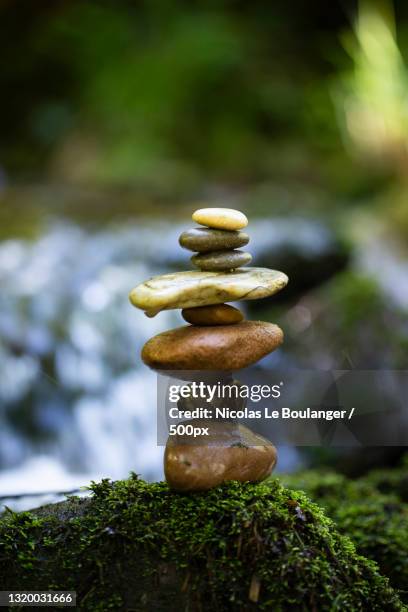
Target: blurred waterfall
(75, 401)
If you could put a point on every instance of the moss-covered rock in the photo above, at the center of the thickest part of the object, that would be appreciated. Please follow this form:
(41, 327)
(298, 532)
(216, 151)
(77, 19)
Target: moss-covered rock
(139, 546)
(376, 522)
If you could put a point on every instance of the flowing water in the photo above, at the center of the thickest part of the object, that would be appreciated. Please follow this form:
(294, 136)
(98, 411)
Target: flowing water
(75, 401)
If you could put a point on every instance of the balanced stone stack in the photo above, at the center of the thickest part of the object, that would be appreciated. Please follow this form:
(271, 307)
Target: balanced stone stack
(217, 341)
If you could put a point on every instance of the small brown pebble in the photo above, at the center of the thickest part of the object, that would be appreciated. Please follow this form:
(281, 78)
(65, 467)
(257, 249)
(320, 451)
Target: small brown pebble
(218, 314)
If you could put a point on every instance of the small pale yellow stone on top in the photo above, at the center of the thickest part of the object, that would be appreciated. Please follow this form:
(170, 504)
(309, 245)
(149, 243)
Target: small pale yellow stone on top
(220, 218)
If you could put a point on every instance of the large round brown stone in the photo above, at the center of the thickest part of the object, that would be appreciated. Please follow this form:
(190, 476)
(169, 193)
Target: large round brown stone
(231, 452)
(225, 347)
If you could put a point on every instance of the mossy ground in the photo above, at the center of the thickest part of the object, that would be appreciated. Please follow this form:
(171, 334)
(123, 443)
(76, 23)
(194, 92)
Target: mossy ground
(371, 511)
(139, 546)
(393, 481)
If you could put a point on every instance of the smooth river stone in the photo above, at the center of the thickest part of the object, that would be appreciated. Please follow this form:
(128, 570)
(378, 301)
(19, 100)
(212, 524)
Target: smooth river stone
(221, 260)
(196, 288)
(220, 218)
(230, 452)
(221, 348)
(204, 239)
(218, 314)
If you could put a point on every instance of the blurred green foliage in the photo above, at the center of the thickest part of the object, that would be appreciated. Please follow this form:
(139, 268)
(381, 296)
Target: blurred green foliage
(170, 98)
(352, 323)
(373, 95)
(165, 92)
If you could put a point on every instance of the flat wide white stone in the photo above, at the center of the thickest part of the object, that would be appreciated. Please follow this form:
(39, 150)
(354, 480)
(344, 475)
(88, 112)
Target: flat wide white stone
(195, 288)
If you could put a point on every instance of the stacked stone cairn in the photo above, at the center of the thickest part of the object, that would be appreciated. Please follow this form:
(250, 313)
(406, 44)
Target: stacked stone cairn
(216, 343)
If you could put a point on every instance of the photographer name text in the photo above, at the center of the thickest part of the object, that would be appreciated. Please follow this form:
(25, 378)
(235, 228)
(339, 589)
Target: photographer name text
(265, 413)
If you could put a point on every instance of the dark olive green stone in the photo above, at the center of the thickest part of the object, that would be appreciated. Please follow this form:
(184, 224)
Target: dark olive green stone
(221, 260)
(203, 239)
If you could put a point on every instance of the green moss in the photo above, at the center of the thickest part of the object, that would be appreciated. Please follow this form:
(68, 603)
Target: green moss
(376, 521)
(139, 546)
(393, 481)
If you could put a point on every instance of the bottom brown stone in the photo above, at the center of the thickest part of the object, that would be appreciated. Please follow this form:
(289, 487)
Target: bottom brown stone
(230, 452)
